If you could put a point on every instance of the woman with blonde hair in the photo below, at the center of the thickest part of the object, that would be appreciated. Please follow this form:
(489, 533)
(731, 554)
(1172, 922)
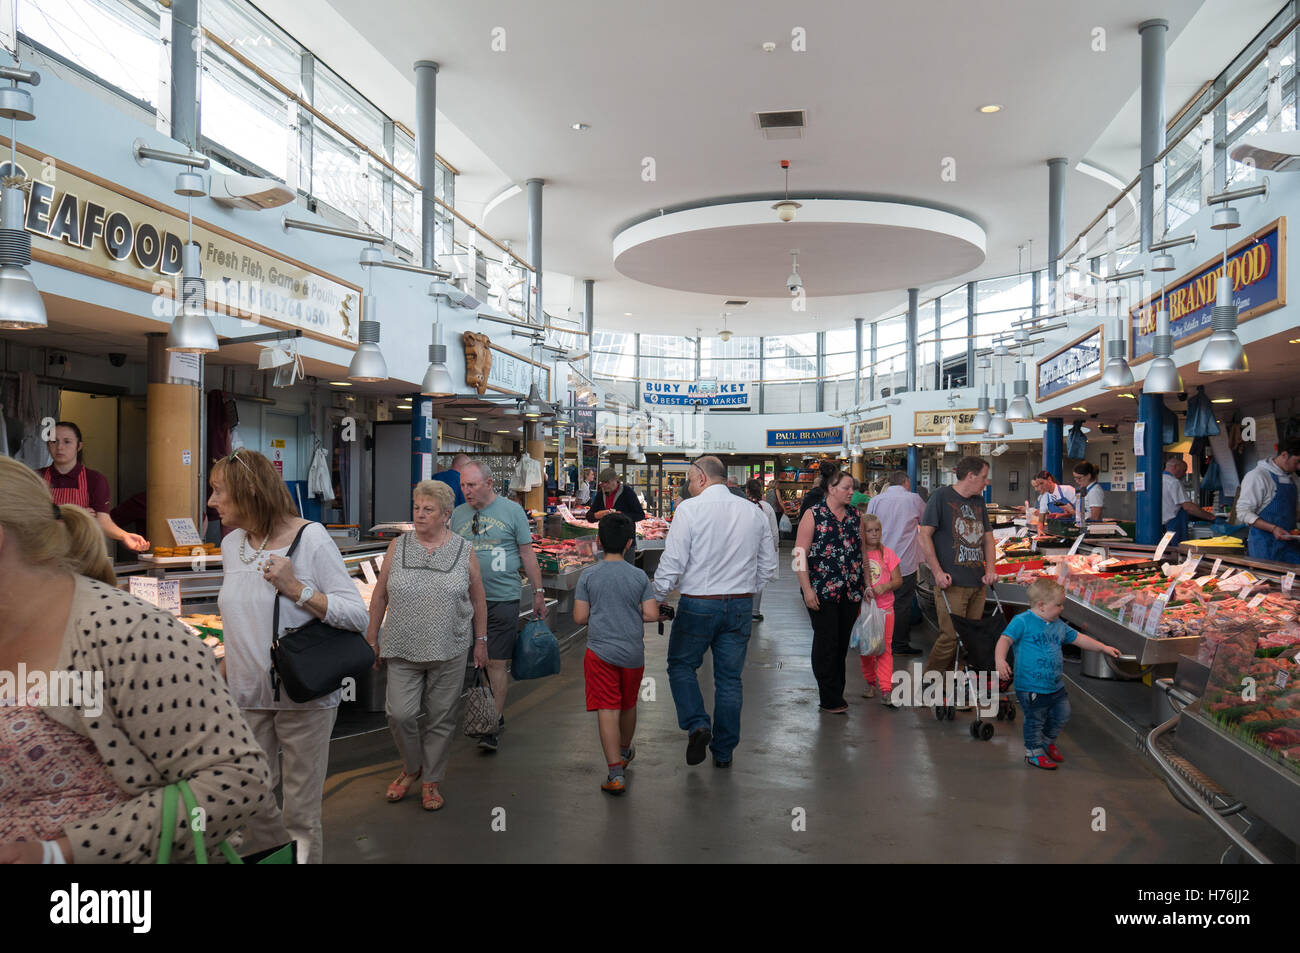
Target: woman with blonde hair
(275, 556)
(90, 752)
(431, 588)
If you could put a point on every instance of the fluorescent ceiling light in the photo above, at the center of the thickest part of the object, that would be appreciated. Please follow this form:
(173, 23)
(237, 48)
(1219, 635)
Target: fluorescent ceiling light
(991, 108)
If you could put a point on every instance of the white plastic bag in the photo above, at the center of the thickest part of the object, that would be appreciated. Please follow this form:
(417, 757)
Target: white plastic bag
(784, 525)
(869, 630)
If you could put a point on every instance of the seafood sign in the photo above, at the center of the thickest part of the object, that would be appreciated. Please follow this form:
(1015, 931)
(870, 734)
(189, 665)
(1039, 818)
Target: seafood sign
(1075, 364)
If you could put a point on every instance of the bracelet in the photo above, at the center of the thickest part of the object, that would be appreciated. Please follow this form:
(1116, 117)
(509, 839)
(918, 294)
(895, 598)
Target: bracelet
(51, 853)
(480, 638)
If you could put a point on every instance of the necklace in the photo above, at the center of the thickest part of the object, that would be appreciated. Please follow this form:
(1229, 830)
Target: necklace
(244, 557)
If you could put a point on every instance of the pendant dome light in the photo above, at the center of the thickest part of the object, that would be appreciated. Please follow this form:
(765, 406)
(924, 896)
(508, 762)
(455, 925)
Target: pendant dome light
(368, 364)
(191, 331)
(1223, 353)
(1162, 376)
(786, 209)
(998, 425)
(982, 416)
(1020, 409)
(21, 305)
(1117, 375)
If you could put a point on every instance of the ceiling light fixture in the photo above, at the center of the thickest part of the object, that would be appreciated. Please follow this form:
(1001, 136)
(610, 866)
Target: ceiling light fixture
(1223, 353)
(191, 331)
(1162, 375)
(1117, 374)
(786, 210)
(21, 305)
(724, 334)
(1221, 400)
(998, 424)
(368, 362)
(990, 108)
(982, 416)
(580, 127)
(340, 383)
(1082, 410)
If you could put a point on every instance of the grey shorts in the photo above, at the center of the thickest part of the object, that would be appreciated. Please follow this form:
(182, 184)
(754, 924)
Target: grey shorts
(502, 629)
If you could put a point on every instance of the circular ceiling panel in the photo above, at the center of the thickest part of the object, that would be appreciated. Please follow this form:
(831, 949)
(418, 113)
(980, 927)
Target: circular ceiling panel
(846, 246)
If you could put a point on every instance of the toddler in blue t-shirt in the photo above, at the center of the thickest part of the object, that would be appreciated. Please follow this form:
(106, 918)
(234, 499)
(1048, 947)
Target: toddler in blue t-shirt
(1040, 688)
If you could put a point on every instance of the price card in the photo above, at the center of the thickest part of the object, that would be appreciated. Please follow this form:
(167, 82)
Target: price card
(163, 593)
(1282, 679)
(1140, 481)
(1078, 541)
(1217, 563)
(1062, 570)
(1139, 619)
(1139, 438)
(1288, 581)
(1228, 572)
(368, 570)
(1190, 569)
(184, 532)
(1153, 617)
(1123, 611)
(1245, 593)
(1165, 540)
(1254, 603)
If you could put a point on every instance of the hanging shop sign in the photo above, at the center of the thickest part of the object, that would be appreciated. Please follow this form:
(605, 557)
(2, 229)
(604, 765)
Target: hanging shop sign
(89, 225)
(511, 373)
(711, 393)
(584, 421)
(1257, 267)
(865, 431)
(934, 423)
(825, 437)
(1076, 364)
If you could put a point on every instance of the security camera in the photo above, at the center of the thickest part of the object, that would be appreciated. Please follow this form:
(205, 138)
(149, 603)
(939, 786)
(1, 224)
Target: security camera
(117, 359)
(794, 283)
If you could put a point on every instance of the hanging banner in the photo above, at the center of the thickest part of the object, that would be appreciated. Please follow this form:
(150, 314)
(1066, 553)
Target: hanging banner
(1074, 365)
(865, 431)
(825, 437)
(730, 394)
(92, 226)
(1257, 267)
(934, 423)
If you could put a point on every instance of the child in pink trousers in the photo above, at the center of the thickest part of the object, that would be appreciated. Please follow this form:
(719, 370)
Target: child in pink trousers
(882, 577)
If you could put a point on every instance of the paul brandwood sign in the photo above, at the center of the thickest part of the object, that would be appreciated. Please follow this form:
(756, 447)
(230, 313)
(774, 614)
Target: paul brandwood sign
(1257, 267)
(733, 394)
(865, 431)
(825, 437)
(1074, 365)
(89, 225)
(934, 423)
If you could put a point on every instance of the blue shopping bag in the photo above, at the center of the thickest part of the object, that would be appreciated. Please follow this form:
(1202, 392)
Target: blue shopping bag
(537, 653)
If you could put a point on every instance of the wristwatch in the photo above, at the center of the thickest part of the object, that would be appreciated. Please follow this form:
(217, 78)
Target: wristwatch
(307, 593)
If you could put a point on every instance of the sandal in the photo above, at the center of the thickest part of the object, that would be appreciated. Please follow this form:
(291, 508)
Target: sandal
(430, 799)
(397, 790)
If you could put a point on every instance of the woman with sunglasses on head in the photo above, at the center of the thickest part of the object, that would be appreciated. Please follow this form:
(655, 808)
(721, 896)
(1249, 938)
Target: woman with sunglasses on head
(71, 481)
(250, 496)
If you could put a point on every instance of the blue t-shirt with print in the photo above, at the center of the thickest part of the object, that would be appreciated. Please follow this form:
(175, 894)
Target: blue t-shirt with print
(1038, 651)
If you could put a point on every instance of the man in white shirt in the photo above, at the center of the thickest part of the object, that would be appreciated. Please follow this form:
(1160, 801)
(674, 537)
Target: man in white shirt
(1176, 507)
(900, 511)
(718, 553)
(1269, 502)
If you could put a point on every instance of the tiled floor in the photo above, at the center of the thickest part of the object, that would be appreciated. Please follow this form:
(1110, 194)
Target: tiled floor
(873, 786)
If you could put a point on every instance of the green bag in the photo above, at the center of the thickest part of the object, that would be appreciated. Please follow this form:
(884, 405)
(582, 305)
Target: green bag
(181, 789)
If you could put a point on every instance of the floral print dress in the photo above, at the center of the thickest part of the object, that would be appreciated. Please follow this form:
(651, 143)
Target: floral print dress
(835, 556)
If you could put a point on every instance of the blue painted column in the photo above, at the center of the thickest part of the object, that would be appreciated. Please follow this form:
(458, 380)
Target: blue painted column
(423, 437)
(1149, 527)
(1054, 448)
(914, 465)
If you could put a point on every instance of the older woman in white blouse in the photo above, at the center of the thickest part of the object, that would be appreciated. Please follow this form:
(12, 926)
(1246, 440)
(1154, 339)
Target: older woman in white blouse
(250, 496)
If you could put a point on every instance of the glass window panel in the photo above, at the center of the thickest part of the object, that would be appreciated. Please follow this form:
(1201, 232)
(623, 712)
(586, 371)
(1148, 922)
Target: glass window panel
(256, 38)
(954, 337)
(345, 107)
(953, 304)
(842, 340)
(241, 115)
(999, 294)
(717, 349)
(336, 175)
(404, 156)
(114, 40)
(667, 345)
(839, 365)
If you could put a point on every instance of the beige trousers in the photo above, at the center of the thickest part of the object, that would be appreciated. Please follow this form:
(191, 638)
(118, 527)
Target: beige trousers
(302, 736)
(433, 687)
(967, 602)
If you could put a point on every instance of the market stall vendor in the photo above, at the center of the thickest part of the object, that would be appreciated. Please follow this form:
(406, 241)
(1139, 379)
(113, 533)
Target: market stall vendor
(613, 497)
(1176, 507)
(1055, 500)
(1268, 503)
(70, 481)
(1090, 497)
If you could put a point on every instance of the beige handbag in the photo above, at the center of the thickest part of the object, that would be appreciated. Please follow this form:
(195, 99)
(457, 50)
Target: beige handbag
(480, 708)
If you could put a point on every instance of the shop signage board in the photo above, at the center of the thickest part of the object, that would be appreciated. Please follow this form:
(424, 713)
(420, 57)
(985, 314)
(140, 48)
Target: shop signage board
(511, 373)
(865, 431)
(934, 423)
(87, 224)
(824, 437)
(1257, 267)
(585, 420)
(1076, 364)
(730, 394)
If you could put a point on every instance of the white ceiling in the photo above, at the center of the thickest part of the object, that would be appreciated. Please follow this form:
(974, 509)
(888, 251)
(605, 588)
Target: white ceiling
(891, 90)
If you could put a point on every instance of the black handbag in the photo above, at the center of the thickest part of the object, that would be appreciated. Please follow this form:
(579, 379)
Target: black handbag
(312, 660)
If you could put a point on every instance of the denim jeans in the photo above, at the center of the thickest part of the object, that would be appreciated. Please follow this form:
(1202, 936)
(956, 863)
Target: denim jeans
(722, 625)
(1045, 716)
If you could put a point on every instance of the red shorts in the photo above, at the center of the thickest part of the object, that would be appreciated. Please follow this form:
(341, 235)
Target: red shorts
(610, 687)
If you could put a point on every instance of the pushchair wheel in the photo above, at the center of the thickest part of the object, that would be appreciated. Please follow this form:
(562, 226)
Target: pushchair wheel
(938, 713)
(975, 729)
(950, 713)
(985, 731)
(1011, 713)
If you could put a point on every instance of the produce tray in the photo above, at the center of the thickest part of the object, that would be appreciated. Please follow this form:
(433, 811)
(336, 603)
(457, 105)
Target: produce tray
(1268, 789)
(1147, 650)
(562, 582)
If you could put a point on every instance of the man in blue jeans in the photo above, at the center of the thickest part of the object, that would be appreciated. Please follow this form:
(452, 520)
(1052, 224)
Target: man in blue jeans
(719, 552)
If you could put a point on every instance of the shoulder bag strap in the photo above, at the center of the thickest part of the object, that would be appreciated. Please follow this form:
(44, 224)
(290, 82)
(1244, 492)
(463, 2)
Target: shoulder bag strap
(275, 614)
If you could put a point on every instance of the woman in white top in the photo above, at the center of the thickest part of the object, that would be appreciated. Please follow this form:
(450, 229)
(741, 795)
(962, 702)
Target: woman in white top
(754, 490)
(1090, 497)
(250, 496)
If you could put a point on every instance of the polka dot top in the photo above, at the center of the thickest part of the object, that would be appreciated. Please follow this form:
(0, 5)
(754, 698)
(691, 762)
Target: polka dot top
(166, 715)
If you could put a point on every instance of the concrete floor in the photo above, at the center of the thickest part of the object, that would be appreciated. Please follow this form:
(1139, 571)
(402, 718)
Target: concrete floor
(871, 786)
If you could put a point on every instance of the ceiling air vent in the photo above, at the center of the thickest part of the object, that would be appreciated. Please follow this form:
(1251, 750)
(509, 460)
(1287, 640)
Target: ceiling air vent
(782, 124)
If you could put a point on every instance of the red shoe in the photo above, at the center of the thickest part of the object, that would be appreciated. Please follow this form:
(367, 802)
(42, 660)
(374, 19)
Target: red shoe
(1054, 753)
(1041, 761)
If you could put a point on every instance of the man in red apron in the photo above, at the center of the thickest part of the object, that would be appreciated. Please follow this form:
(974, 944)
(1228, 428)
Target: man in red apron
(70, 481)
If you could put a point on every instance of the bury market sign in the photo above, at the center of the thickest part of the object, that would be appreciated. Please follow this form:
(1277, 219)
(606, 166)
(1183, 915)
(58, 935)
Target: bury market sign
(1074, 365)
(825, 437)
(934, 423)
(86, 224)
(865, 431)
(729, 394)
(1257, 267)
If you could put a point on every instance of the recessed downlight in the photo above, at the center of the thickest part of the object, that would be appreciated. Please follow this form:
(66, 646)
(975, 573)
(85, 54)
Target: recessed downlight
(503, 431)
(340, 383)
(991, 108)
(580, 127)
(1221, 400)
(469, 420)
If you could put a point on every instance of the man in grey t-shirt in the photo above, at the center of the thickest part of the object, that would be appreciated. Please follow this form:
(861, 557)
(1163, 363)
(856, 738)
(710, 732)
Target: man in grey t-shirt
(615, 600)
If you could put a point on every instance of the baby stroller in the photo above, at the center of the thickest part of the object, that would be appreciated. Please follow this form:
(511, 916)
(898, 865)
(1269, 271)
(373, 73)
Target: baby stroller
(977, 641)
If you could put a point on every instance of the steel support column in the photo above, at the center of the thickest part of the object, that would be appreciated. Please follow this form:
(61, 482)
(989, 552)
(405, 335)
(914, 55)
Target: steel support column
(1153, 33)
(1149, 527)
(1056, 169)
(426, 120)
(913, 297)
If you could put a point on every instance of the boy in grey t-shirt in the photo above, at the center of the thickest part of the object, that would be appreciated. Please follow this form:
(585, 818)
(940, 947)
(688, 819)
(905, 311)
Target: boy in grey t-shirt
(615, 600)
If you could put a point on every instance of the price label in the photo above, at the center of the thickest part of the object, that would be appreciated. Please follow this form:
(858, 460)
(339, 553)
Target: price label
(163, 593)
(184, 532)
(1139, 620)
(1062, 570)
(1190, 569)
(1282, 679)
(1245, 593)
(1288, 581)
(1123, 611)
(1254, 603)
(1217, 563)
(1164, 544)
(368, 570)
(1153, 617)
(1228, 572)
